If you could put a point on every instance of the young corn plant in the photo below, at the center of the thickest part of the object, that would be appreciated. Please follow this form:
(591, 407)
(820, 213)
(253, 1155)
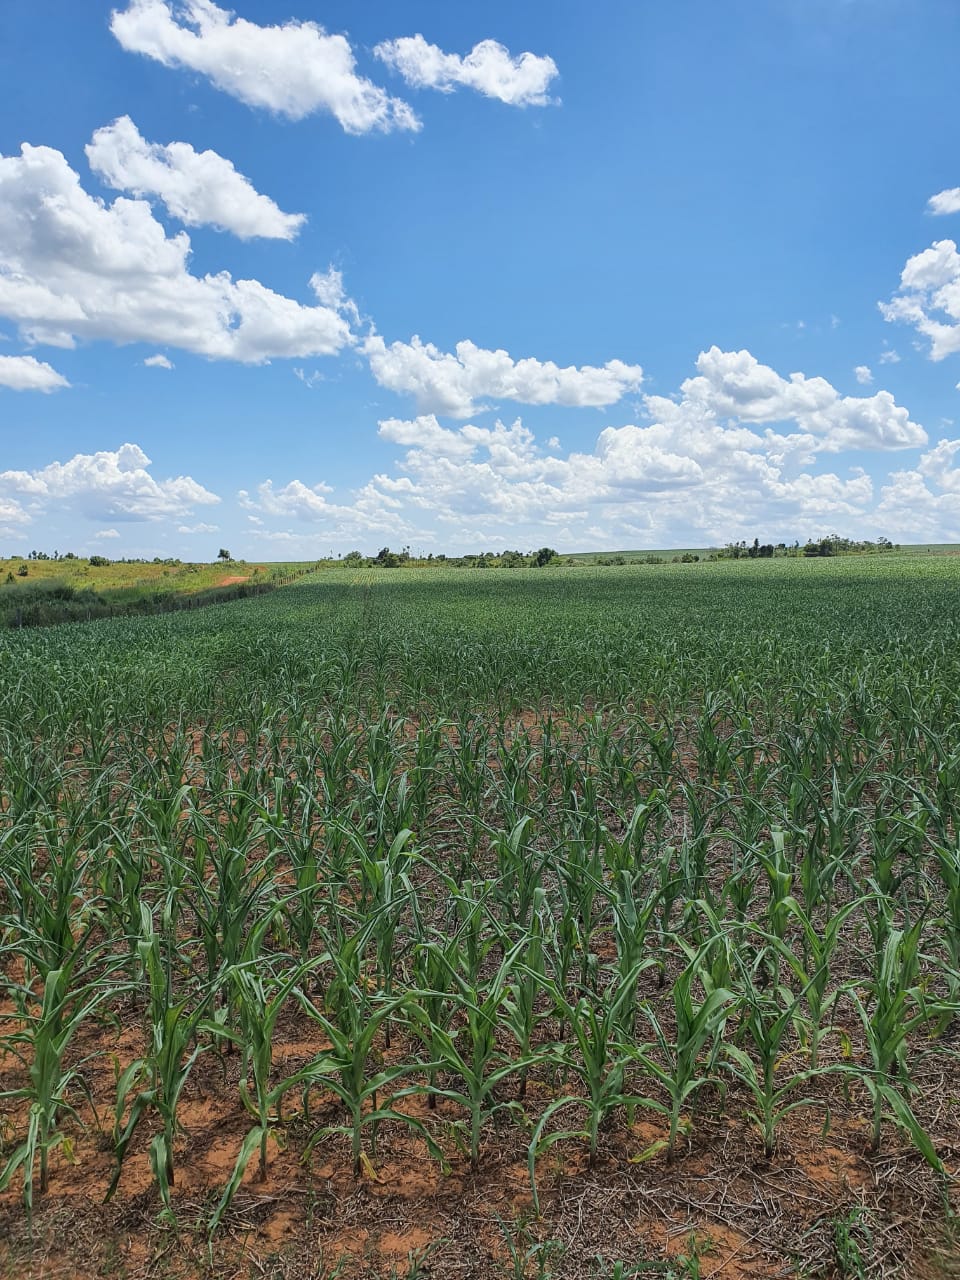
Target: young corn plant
(386, 890)
(471, 904)
(528, 980)
(948, 890)
(160, 1077)
(581, 886)
(600, 1059)
(625, 853)
(53, 911)
(352, 1022)
(811, 966)
(766, 1019)
(433, 963)
(226, 904)
(778, 868)
(519, 872)
(684, 1061)
(897, 1006)
(632, 914)
(830, 846)
(260, 999)
(471, 1051)
(695, 844)
(298, 838)
(42, 1045)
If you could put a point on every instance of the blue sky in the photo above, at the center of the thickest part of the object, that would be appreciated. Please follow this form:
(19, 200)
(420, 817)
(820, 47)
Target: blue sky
(304, 277)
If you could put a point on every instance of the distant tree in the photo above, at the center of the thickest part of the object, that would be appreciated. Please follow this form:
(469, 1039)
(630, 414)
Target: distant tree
(544, 556)
(352, 557)
(99, 562)
(387, 559)
(224, 554)
(22, 571)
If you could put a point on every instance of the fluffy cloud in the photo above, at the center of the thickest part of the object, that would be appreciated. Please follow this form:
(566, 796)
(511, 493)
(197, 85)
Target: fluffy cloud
(686, 465)
(198, 528)
(107, 533)
(733, 455)
(945, 201)
(158, 362)
(72, 266)
(370, 512)
(197, 187)
(730, 384)
(863, 374)
(940, 466)
(426, 432)
(12, 517)
(110, 485)
(294, 69)
(488, 67)
(734, 384)
(923, 504)
(456, 384)
(929, 298)
(24, 373)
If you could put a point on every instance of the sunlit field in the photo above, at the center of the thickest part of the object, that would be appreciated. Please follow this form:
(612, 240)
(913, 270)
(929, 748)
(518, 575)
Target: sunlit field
(574, 922)
(45, 591)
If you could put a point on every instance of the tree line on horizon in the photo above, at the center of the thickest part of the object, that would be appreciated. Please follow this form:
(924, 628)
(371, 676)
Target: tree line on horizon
(385, 558)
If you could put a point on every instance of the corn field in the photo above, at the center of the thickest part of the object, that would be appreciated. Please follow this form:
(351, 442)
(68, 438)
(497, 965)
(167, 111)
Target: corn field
(574, 922)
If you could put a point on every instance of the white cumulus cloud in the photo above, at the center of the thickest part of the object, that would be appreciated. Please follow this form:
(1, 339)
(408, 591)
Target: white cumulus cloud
(864, 374)
(199, 188)
(426, 432)
(489, 68)
(294, 69)
(945, 201)
(923, 504)
(929, 298)
(73, 266)
(25, 373)
(734, 384)
(456, 383)
(735, 454)
(370, 512)
(109, 485)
